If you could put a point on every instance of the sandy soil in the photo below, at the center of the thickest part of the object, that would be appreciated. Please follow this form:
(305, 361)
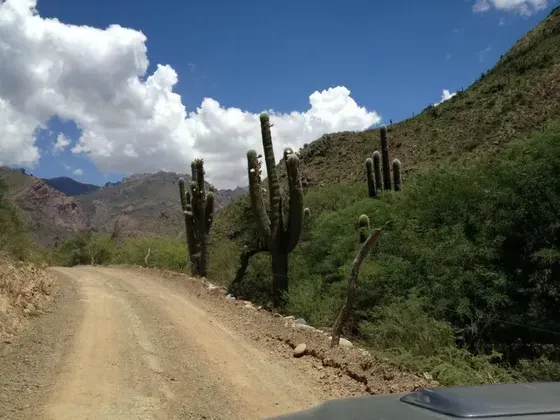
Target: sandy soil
(144, 344)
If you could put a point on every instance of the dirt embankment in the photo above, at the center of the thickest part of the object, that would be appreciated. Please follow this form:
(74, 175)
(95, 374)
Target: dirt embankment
(25, 291)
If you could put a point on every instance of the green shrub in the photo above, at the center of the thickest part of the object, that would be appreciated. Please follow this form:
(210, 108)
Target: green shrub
(164, 253)
(405, 324)
(540, 369)
(14, 236)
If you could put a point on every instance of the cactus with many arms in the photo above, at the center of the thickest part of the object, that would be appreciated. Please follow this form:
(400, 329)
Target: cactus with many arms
(281, 233)
(380, 162)
(198, 210)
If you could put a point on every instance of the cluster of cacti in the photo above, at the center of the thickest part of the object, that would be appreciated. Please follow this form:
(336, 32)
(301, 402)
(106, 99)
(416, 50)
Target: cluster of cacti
(281, 231)
(378, 169)
(198, 210)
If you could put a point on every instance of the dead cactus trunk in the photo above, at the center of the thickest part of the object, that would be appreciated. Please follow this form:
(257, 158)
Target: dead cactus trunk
(352, 284)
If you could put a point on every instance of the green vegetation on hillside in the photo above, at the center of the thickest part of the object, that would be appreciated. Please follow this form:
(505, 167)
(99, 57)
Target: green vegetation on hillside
(519, 95)
(14, 236)
(466, 267)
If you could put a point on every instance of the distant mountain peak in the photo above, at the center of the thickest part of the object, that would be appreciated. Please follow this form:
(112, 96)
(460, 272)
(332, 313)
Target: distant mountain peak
(70, 186)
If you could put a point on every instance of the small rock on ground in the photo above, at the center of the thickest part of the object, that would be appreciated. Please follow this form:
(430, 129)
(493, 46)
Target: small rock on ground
(300, 350)
(344, 342)
(303, 327)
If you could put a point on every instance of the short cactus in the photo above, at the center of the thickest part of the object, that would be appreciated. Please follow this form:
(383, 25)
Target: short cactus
(281, 234)
(397, 180)
(198, 209)
(363, 227)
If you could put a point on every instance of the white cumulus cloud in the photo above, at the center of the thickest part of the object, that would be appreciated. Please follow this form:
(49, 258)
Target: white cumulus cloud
(131, 121)
(445, 95)
(62, 142)
(522, 7)
(78, 172)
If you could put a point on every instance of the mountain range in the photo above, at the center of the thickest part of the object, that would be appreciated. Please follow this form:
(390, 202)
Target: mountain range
(146, 204)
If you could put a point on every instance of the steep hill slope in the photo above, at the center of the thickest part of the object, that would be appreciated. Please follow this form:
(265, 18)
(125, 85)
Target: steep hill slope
(70, 186)
(52, 215)
(520, 94)
(515, 97)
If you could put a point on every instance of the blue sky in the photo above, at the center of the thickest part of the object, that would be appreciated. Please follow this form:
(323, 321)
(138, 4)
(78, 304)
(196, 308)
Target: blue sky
(395, 57)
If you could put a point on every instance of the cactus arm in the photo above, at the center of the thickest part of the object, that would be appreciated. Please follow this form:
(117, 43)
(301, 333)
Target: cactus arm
(273, 184)
(195, 198)
(193, 171)
(370, 178)
(377, 170)
(385, 156)
(182, 194)
(209, 211)
(263, 222)
(295, 217)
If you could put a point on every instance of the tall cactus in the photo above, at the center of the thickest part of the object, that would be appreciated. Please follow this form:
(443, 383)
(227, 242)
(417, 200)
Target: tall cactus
(385, 157)
(198, 209)
(377, 170)
(281, 232)
(372, 190)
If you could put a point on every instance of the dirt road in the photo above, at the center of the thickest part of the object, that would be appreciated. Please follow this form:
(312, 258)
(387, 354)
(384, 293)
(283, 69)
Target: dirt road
(129, 344)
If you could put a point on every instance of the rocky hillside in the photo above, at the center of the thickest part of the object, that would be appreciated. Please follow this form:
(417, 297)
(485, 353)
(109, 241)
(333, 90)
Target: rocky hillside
(146, 204)
(52, 215)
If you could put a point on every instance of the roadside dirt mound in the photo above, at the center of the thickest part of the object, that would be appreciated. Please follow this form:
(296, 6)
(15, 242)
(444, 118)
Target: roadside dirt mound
(25, 290)
(343, 371)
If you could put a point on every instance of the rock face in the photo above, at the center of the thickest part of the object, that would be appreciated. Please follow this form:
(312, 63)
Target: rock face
(52, 215)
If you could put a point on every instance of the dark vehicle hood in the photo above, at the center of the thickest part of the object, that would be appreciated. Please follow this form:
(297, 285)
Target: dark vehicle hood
(534, 401)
